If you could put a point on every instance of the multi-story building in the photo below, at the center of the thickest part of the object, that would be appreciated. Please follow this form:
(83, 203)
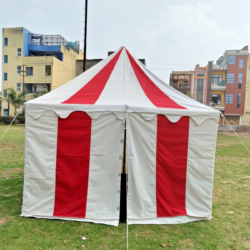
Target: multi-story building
(1, 101)
(200, 84)
(183, 81)
(218, 88)
(246, 116)
(235, 62)
(225, 85)
(36, 63)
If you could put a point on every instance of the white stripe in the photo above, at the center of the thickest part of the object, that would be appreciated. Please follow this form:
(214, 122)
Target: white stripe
(200, 168)
(123, 87)
(114, 89)
(141, 160)
(67, 90)
(40, 164)
(172, 93)
(135, 95)
(103, 198)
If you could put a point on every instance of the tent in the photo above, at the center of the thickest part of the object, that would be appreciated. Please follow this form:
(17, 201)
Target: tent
(74, 148)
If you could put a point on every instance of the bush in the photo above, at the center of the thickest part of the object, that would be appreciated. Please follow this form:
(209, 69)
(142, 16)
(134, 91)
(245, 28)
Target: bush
(7, 120)
(21, 119)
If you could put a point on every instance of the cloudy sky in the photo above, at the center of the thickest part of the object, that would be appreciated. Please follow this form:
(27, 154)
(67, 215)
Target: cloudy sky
(169, 34)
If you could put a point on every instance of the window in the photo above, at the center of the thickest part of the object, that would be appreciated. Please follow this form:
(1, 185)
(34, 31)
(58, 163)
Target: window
(5, 59)
(19, 52)
(5, 76)
(19, 69)
(200, 75)
(230, 78)
(6, 112)
(18, 86)
(29, 71)
(240, 81)
(216, 99)
(229, 98)
(48, 70)
(5, 41)
(217, 79)
(5, 93)
(199, 90)
(238, 101)
(29, 87)
(241, 64)
(231, 60)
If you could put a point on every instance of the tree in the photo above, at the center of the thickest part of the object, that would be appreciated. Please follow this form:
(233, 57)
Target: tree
(15, 98)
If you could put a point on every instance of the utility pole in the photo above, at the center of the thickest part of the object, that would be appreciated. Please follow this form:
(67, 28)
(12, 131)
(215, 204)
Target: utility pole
(209, 81)
(23, 71)
(85, 36)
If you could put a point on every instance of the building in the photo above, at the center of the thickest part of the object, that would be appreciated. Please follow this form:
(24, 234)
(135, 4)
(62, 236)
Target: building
(235, 62)
(200, 84)
(246, 116)
(225, 85)
(1, 97)
(183, 81)
(218, 88)
(91, 62)
(36, 63)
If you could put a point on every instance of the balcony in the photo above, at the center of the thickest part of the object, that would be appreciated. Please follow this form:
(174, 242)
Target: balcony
(50, 44)
(179, 77)
(35, 90)
(218, 86)
(217, 106)
(183, 86)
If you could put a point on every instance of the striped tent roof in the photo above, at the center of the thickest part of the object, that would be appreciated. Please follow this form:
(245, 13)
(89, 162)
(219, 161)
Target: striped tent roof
(120, 83)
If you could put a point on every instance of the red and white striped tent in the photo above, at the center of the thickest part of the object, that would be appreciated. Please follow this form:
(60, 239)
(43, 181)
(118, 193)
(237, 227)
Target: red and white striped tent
(74, 147)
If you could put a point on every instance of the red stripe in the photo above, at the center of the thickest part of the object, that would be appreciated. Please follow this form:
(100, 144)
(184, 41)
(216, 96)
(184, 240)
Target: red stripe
(90, 93)
(171, 166)
(72, 166)
(154, 94)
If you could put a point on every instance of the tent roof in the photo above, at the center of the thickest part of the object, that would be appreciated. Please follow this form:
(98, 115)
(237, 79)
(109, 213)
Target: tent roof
(120, 84)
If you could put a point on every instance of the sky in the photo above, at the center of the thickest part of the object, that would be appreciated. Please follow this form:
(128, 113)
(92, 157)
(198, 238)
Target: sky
(169, 34)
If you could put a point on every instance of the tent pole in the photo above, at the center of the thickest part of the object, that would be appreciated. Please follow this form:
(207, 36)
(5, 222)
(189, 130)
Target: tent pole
(124, 151)
(123, 195)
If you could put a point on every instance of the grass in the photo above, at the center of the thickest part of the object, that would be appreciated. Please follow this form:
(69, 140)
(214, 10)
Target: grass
(226, 231)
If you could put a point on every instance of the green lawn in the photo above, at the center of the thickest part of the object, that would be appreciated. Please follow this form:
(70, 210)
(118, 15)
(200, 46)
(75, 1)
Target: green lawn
(226, 231)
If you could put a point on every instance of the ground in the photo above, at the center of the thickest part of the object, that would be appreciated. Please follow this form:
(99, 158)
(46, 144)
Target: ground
(229, 229)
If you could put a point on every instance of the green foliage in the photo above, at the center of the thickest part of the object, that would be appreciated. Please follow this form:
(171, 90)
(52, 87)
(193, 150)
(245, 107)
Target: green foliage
(21, 119)
(226, 231)
(37, 94)
(7, 120)
(14, 98)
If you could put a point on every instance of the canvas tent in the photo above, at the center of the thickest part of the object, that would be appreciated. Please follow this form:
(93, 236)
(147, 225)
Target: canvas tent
(74, 146)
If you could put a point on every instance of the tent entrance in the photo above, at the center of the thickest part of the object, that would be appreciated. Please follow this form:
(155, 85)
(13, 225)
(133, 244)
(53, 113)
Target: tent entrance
(123, 192)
